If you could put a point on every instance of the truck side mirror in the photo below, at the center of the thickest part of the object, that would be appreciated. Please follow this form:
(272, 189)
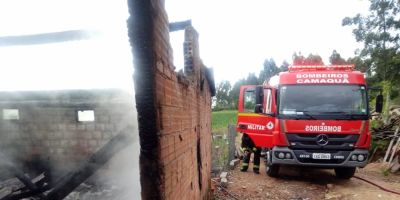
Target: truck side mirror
(258, 108)
(259, 95)
(379, 103)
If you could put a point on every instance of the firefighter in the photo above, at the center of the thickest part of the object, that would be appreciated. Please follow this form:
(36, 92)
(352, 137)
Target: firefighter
(248, 148)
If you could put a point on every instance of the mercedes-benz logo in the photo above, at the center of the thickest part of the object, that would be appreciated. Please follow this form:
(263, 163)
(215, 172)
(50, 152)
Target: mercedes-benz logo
(322, 140)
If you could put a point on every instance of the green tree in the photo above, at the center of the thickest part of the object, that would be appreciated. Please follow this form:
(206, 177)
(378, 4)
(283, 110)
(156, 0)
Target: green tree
(379, 31)
(313, 60)
(299, 59)
(284, 66)
(251, 79)
(336, 59)
(222, 95)
(269, 69)
(234, 95)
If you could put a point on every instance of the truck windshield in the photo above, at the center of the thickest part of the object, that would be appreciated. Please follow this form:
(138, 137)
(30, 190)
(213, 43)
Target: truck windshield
(312, 101)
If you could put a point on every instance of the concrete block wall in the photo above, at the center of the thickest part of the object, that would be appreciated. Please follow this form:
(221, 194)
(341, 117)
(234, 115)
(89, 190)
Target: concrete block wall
(48, 128)
(177, 164)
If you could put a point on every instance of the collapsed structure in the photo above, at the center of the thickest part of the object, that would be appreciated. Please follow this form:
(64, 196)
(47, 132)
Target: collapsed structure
(64, 137)
(52, 141)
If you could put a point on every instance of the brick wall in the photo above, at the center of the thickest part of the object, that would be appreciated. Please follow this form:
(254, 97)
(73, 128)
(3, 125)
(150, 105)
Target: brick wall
(185, 127)
(48, 129)
(177, 164)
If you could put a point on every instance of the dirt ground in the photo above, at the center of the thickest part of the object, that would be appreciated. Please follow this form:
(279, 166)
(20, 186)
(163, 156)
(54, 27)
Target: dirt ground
(308, 184)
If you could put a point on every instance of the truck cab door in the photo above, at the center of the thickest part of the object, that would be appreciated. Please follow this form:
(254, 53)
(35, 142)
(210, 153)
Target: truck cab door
(256, 114)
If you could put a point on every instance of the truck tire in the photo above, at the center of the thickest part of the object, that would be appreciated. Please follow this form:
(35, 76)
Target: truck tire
(272, 170)
(345, 172)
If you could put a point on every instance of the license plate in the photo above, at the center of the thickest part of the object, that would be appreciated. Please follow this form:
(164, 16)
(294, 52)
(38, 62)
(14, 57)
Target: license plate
(321, 156)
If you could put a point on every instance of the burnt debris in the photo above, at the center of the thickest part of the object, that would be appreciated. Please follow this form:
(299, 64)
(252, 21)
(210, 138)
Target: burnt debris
(42, 187)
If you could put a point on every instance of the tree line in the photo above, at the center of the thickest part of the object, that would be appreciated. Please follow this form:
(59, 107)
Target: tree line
(379, 59)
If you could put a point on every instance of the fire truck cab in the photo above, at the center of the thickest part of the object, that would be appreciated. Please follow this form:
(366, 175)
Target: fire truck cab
(316, 116)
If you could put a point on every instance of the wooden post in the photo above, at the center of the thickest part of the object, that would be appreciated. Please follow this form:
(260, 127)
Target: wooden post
(394, 149)
(231, 140)
(390, 145)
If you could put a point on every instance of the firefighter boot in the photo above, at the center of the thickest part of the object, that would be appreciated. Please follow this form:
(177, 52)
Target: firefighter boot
(256, 169)
(257, 155)
(244, 167)
(246, 160)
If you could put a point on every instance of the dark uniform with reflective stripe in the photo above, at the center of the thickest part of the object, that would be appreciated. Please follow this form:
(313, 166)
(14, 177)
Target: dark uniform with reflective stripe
(248, 148)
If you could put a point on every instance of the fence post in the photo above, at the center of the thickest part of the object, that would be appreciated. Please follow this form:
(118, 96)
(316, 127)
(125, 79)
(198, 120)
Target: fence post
(231, 141)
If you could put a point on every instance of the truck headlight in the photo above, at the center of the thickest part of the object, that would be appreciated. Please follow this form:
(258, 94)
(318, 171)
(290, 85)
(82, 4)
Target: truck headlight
(354, 157)
(361, 157)
(281, 155)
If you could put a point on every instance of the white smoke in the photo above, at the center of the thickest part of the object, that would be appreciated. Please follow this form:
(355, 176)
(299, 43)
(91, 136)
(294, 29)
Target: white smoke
(101, 61)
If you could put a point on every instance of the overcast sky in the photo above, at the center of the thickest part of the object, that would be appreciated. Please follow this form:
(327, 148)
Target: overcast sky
(102, 61)
(235, 38)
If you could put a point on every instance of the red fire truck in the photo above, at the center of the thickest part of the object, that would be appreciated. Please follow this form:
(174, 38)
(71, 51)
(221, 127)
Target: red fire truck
(314, 116)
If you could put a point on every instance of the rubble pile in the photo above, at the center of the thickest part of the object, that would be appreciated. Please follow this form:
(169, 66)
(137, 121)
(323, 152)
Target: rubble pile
(390, 131)
(47, 185)
(386, 130)
(9, 186)
(95, 192)
(87, 191)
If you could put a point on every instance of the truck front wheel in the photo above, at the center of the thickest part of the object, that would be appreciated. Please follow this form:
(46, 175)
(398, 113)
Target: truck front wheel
(271, 169)
(345, 172)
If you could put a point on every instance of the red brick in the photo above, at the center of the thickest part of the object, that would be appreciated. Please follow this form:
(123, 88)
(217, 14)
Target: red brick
(182, 107)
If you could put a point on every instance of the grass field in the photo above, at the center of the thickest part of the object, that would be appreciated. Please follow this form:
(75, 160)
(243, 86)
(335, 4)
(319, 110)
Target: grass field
(221, 119)
(220, 146)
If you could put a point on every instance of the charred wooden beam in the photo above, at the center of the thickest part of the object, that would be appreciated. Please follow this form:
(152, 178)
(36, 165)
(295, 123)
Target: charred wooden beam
(177, 26)
(29, 193)
(44, 38)
(66, 184)
(73, 179)
(21, 176)
(25, 180)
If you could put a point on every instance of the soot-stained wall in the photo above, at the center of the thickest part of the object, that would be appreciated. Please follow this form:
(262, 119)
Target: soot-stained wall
(44, 124)
(174, 108)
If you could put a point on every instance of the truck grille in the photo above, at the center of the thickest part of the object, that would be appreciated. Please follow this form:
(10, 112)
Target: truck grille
(335, 142)
(309, 160)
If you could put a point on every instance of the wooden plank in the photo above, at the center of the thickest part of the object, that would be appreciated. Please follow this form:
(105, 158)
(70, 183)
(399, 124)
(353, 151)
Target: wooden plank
(395, 166)
(395, 147)
(390, 146)
(372, 155)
